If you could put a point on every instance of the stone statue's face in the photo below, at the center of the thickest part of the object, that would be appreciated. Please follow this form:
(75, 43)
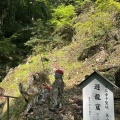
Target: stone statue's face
(58, 75)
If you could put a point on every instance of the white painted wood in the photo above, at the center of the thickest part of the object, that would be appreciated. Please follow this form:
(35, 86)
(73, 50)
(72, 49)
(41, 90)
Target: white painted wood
(98, 100)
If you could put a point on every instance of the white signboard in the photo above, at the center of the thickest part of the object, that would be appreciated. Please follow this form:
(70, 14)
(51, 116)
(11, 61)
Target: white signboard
(98, 101)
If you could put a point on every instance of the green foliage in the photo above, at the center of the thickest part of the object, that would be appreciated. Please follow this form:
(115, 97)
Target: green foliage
(62, 19)
(91, 26)
(10, 28)
(6, 48)
(63, 15)
(96, 26)
(101, 21)
(108, 5)
(41, 36)
(82, 3)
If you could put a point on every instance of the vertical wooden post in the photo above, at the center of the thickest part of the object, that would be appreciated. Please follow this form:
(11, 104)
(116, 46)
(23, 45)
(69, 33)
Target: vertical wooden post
(7, 107)
(8, 97)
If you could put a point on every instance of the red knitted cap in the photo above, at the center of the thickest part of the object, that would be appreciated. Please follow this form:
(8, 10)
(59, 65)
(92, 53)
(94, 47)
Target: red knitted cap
(59, 71)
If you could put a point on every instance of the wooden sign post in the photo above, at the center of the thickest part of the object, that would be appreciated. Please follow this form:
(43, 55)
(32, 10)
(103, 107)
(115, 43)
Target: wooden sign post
(98, 98)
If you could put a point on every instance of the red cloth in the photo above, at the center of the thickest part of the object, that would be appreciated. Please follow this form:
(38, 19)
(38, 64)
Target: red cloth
(59, 71)
(47, 87)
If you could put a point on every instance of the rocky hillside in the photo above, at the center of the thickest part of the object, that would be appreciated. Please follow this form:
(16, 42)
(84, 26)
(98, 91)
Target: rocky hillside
(95, 45)
(76, 63)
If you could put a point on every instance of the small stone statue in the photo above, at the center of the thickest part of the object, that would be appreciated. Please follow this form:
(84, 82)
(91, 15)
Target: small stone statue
(57, 91)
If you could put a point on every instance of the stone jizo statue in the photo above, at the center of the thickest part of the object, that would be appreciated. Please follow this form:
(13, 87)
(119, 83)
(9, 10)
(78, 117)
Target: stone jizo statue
(57, 91)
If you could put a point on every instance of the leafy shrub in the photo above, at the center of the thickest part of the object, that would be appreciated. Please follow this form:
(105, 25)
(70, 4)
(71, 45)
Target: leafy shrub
(66, 32)
(40, 36)
(94, 27)
(109, 5)
(62, 19)
(63, 15)
(6, 48)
